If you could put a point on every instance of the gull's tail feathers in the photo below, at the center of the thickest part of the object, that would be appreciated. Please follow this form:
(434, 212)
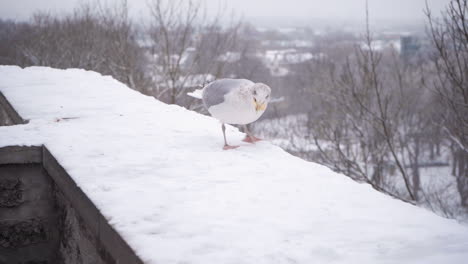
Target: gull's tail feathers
(196, 94)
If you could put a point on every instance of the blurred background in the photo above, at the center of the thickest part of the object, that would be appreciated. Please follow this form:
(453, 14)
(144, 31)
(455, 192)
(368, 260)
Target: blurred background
(376, 90)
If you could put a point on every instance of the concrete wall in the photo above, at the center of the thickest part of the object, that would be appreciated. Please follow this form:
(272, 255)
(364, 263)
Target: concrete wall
(5, 120)
(45, 218)
(77, 243)
(38, 223)
(8, 115)
(28, 216)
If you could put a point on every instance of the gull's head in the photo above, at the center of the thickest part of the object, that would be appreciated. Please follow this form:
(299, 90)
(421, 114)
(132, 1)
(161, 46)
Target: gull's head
(260, 96)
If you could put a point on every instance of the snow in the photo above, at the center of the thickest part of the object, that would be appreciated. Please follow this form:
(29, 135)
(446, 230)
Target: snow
(438, 186)
(297, 43)
(289, 56)
(159, 175)
(229, 57)
(380, 45)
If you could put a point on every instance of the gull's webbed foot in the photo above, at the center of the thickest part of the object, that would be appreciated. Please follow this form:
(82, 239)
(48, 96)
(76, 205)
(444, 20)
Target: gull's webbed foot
(251, 139)
(226, 147)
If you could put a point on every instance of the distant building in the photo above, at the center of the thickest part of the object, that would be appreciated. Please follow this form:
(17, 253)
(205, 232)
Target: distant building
(410, 46)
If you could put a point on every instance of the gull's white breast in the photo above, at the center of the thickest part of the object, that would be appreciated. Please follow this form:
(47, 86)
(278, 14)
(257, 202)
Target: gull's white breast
(237, 108)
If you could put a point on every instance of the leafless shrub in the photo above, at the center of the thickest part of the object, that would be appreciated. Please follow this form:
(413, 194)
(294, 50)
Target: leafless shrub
(364, 127)
(94, 37)
(449, 36)
(186, 48)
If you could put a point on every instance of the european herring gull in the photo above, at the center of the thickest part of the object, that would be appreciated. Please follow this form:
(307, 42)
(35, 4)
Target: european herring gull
(235, 101)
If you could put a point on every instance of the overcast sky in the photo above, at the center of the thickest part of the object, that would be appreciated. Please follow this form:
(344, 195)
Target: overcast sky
(396, 10)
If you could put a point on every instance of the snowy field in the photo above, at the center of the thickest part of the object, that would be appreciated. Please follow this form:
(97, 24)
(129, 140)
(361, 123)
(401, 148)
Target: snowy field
(159, 175)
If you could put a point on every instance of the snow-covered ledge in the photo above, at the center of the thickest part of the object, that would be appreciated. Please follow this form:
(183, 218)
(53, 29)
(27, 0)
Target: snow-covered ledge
(158, 175)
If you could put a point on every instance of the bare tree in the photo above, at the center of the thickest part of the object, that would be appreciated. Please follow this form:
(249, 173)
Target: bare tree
(186, 47)
(94, 37)
(449, 36)
(364, 133)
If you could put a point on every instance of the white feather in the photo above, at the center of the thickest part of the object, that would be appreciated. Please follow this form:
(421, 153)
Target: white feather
(238, 108)
(196, 94)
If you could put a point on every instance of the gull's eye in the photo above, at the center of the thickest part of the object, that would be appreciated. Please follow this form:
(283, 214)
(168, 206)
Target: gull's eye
(254, 92)
(255, 99)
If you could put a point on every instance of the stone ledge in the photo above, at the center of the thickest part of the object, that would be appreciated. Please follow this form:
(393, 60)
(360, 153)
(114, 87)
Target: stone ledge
(14, 233)
(20, 155)
(111, 246)
(10, 111)
(78, 199)
(11, 193)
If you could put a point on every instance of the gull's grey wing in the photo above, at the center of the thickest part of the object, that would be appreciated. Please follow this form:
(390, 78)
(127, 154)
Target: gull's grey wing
(213, 93)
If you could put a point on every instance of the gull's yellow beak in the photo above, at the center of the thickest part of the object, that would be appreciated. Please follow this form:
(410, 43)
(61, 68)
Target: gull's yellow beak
(260, 107)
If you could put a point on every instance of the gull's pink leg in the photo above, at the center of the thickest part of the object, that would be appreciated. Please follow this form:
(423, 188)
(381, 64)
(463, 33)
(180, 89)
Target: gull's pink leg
(249, 138)
(226, 146)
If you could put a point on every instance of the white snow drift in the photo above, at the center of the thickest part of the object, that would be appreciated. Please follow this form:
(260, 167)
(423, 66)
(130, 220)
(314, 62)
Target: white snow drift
(158, 174)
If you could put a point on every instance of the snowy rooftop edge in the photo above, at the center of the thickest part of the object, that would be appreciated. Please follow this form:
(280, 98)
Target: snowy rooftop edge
(158, 174)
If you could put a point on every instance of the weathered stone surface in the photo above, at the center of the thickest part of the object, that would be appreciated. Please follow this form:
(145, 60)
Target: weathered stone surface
(11, 192)
(20, 233)
(29, 231)
(20, 155)
(78, 243)
(8, 115)
(31, 262)
(5, 120)
(53, 221)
